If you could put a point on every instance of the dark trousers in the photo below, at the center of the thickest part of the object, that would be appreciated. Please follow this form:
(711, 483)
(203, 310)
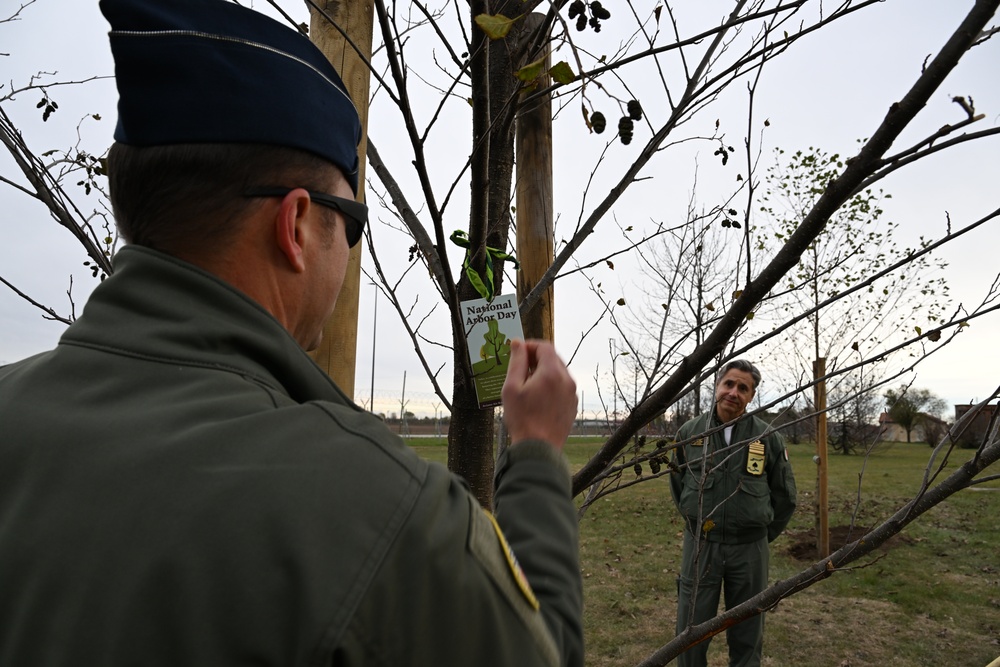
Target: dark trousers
(739, 571)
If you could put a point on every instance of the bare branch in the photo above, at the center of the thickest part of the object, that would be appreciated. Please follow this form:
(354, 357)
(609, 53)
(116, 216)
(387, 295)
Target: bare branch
(49, 191)
(391, 295)
(50, 313)
(409, 218)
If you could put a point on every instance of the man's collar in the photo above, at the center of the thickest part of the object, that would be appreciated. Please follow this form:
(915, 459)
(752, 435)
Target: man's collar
(161, 308)
(720, 420)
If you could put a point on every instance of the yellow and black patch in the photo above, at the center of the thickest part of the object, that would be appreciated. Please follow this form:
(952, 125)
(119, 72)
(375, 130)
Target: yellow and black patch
(515, 567)
(489, 546)
(755, 458)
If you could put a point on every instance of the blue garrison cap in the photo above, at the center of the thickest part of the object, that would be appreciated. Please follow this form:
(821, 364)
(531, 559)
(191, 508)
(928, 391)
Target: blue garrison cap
(210, 71)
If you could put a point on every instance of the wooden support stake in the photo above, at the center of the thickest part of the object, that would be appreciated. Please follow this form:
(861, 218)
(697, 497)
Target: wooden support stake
(534, 201)
(822, 498)
(337, 353)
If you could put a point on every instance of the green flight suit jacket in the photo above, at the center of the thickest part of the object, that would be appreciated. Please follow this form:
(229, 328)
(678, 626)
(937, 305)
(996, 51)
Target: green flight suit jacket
(720, 488)
(181, 485)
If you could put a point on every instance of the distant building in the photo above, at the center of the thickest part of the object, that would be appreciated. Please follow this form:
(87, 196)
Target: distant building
(927, 425)
(973, 434)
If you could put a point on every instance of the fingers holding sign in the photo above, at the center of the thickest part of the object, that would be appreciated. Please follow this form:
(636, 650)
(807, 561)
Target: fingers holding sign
(539, 396)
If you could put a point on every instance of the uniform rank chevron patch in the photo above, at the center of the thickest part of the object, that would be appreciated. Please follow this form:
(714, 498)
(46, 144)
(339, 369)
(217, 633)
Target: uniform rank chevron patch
(755, 458)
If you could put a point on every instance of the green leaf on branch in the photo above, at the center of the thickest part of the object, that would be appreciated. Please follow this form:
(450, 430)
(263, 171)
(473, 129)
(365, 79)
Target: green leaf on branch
(531, 71)
(561, 72)
(496, 26)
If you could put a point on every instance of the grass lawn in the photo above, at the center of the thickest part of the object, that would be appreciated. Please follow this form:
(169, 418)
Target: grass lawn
(931, 597)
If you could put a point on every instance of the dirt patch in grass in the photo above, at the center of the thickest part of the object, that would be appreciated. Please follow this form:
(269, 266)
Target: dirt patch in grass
(803, 544)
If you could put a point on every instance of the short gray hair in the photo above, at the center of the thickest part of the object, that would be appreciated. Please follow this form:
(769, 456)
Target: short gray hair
(742, 365)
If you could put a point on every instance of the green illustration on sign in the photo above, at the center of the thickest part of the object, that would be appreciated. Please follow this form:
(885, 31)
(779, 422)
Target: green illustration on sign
(491, 370)
(497, 346)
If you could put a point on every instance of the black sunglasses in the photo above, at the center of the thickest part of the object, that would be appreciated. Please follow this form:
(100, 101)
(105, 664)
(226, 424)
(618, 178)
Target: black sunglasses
(355, 213)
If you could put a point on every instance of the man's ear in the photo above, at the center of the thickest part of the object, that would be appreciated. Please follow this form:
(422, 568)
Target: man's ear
(289, 227)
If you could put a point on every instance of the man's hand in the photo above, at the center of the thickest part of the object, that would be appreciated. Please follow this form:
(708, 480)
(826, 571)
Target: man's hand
(539, 396)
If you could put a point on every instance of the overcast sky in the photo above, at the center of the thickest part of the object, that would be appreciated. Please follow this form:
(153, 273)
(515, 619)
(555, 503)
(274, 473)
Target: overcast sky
(831, 90)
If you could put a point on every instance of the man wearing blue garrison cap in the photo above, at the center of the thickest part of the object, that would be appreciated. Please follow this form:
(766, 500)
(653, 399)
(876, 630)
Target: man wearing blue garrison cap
(180, 484)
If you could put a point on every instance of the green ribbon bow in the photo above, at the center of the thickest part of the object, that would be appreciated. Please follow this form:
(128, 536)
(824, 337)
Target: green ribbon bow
(485, 287)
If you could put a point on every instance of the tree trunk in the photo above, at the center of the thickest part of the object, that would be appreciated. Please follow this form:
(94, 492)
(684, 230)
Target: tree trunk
(470, 440)
(470, 437)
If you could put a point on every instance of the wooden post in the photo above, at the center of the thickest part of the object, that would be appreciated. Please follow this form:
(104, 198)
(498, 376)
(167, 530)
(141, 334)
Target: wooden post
(534, 200)
(822, 498)
(337, 353)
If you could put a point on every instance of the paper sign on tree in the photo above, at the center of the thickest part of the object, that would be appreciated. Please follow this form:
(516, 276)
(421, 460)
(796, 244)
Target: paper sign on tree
(489, 328)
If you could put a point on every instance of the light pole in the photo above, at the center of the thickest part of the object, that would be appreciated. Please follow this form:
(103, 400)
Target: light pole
(613, 344)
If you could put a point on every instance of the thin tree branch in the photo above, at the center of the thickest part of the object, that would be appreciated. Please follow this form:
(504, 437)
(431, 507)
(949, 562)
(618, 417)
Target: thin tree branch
(50, 192)
(50, 314)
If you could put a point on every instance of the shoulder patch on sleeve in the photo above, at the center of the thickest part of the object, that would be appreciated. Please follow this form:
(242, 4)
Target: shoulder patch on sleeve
(515, 567)
(490, 547)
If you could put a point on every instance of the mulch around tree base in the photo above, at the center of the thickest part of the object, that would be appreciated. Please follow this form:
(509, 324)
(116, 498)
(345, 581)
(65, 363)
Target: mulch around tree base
(803, 543)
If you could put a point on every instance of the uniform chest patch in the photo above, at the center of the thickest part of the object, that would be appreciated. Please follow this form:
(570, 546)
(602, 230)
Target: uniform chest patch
(515, 567)
(755, 458)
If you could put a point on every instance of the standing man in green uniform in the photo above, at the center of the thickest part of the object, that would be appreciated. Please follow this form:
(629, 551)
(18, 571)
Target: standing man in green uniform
(734, 487)
(180, 484)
